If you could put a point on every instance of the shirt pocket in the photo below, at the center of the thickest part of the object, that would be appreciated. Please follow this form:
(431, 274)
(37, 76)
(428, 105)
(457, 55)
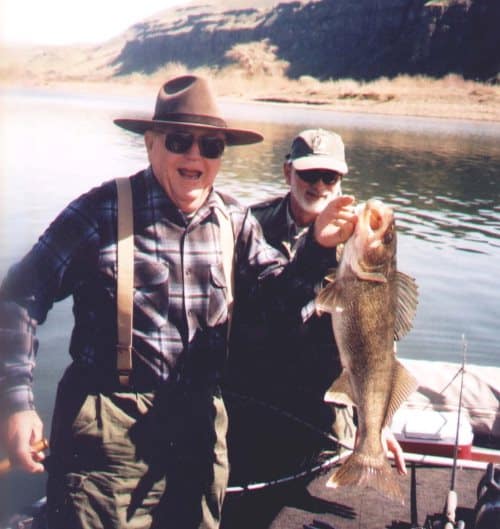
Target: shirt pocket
(151, 295)
(217, 301)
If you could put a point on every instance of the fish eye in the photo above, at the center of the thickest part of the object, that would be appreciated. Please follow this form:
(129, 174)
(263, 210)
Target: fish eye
(389, 235)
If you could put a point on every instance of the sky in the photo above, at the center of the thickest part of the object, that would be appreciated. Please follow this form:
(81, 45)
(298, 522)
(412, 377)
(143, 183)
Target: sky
(61, 22)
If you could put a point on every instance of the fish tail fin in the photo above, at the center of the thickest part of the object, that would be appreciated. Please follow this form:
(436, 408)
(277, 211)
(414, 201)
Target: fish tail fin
(370, 471)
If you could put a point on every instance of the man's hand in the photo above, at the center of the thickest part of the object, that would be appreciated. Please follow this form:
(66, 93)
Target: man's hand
(335, 224)
(23, 429)
(391, 444)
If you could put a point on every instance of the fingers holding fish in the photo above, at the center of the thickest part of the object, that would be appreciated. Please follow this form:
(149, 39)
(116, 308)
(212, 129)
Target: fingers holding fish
(335, 224)
(390, 444)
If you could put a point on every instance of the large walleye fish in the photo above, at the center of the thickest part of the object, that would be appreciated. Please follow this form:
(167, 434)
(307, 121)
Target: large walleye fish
(371, 304)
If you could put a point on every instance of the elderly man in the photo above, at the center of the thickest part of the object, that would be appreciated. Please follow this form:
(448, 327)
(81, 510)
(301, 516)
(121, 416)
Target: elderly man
(139, 428)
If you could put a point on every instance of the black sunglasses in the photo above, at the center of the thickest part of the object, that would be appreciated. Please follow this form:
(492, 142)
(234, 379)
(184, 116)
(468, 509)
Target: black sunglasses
(180, 142)
(311, 176)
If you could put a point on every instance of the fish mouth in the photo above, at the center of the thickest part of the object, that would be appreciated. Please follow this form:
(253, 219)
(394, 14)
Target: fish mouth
(375, 220)
(374, 241)
(378, 220)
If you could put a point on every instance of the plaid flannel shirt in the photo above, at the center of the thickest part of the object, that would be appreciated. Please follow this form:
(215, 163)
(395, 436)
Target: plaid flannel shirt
(180, 309)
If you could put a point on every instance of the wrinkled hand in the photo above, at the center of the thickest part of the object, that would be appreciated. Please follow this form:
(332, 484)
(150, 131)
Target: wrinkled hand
(23, 429)
(335, 224)
(391, 444)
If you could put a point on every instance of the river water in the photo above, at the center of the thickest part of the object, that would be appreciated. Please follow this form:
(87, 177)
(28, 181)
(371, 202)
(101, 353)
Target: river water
(441, 176)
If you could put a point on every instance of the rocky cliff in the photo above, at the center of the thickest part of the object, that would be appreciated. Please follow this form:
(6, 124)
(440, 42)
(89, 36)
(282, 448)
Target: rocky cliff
(325, 39)
(362, 39)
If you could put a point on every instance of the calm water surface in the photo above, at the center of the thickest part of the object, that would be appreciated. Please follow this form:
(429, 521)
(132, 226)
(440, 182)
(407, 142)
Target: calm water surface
(442, 177)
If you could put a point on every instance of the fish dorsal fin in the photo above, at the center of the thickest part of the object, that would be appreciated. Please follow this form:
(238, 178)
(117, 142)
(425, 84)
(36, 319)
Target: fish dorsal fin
(407, 304)
(340, 392)
(404, 384)
(326, 300)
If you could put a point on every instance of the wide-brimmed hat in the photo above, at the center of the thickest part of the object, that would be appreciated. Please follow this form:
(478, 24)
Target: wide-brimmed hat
(188, 101)
(318, 149)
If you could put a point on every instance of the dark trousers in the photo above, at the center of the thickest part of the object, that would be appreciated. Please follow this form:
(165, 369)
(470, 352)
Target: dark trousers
(130, 460)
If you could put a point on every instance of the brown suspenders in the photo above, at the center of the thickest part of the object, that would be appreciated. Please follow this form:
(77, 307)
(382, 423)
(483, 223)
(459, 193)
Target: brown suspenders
(125, 280)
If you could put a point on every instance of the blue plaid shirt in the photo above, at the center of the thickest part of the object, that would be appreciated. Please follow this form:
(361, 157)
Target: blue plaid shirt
(180, 309)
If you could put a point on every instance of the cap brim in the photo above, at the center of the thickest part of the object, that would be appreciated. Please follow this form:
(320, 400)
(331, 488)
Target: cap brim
(319, 161)
(233, 136)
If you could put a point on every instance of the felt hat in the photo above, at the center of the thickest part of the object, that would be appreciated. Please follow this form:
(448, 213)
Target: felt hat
(188, 101)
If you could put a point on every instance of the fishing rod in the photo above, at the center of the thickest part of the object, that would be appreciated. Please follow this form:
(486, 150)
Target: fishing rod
(452, 500)
(311, 468)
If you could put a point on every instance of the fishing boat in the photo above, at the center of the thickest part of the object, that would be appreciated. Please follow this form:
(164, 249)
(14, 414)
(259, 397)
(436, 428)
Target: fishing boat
(449, 429)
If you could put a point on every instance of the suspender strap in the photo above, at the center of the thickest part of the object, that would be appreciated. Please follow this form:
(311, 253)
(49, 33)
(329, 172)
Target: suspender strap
(125, 280)
(227, 247)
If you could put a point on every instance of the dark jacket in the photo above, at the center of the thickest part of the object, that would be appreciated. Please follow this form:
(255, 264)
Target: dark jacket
(287, 362)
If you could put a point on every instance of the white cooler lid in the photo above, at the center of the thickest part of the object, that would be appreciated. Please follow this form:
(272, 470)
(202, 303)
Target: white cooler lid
(431, 425)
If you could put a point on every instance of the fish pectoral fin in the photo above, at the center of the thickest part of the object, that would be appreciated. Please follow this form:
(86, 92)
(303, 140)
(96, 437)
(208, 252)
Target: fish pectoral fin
(340, 392)
(406, 306)
(327, 298)
(404, 384)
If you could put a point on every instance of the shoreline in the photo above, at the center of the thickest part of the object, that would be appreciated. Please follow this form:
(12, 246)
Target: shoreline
(476, 107)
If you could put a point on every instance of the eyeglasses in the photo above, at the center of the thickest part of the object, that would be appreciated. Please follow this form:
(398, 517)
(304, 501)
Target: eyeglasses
(312, 176)
(180, 142)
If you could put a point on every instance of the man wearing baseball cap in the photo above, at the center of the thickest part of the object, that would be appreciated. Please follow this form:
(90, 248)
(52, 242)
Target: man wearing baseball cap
(302, 360)
(314, 169)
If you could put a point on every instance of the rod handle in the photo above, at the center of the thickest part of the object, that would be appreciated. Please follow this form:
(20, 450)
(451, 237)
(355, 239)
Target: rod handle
(451, 506)
(39, 446)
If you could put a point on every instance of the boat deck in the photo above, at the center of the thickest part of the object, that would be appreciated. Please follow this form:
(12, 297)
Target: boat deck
(268, 447)
(301, 505)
